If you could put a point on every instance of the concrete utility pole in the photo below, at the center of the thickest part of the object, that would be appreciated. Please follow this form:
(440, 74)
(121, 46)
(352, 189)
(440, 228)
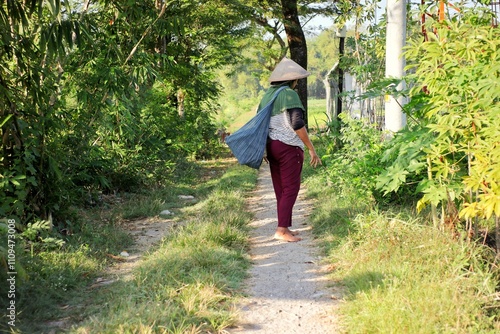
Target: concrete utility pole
(395, 119)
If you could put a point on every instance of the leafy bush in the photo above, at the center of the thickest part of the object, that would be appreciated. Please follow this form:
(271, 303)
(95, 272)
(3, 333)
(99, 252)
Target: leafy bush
(356, 162)
(454, 152)
(405, 163)
(85, 111)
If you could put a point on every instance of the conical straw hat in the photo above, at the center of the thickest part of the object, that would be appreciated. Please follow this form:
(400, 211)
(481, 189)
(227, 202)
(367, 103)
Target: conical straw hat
(288, 70)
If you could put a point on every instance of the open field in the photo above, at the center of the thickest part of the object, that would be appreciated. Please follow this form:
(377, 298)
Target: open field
(316, 115)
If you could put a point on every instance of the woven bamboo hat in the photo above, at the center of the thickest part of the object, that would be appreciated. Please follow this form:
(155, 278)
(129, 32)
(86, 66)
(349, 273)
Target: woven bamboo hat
(288, 70)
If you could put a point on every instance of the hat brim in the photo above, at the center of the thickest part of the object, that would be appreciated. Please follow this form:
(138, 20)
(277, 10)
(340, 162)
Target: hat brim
(288, 70)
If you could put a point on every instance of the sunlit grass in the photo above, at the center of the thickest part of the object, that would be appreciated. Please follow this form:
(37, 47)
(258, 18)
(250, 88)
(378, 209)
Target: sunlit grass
(399, 273)
(407, 277)
(189, 284)
(316, 113)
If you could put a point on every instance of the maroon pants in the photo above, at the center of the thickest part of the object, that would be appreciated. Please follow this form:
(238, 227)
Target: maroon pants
(286, 163)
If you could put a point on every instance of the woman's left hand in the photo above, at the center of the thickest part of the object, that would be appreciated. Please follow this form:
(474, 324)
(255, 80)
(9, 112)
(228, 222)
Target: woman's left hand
(315, 160)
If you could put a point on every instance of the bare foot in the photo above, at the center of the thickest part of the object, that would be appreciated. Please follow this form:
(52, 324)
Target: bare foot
(286, 236)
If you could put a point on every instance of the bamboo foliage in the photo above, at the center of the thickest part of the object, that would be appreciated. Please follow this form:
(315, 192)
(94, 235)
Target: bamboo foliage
(27, 83)
(88, 95)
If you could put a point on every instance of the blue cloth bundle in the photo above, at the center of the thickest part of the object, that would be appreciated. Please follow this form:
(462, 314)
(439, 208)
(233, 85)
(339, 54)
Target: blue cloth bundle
(249, 142)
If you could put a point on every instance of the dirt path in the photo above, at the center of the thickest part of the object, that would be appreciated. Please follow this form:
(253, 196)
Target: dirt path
(287, 289)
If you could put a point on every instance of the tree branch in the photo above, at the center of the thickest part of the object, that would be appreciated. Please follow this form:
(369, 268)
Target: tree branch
(146, 32)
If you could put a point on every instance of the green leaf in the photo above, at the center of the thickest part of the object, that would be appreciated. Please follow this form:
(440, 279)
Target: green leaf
(5, 120)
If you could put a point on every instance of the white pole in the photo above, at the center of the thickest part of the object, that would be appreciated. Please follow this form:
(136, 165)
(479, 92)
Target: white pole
(395, 119)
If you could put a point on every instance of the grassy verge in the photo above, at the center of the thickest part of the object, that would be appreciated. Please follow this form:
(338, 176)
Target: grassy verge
(186, 284)
(400, 274)
(53, 288)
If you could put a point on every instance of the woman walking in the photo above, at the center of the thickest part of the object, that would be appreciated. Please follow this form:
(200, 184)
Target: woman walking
(286, 142)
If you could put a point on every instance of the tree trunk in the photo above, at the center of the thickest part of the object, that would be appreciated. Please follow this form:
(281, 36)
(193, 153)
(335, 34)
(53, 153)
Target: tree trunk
(297, 43)
(161, 43)
(341, 75)
(180, 103)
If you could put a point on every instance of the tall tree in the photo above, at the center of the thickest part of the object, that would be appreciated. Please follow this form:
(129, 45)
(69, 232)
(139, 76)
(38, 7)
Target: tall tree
(288, 17)
(297, 44)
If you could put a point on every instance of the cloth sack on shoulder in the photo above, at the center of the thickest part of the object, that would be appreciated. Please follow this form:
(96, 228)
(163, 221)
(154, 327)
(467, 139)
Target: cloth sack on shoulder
(249, 142)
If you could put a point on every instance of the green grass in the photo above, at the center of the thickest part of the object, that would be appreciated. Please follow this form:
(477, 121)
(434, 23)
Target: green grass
(400, 275)
(409, 278)
(188, 283)
(317, 117)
